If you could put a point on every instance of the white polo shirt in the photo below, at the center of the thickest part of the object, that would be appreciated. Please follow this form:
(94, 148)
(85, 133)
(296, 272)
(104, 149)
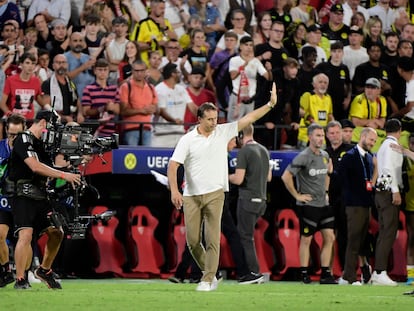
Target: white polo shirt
(205, 159)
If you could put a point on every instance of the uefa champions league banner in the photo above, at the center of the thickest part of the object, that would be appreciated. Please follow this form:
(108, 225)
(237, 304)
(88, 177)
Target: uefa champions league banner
(144, 160)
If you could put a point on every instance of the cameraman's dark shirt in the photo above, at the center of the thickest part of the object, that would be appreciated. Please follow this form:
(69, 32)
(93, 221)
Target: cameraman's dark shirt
(27, 145)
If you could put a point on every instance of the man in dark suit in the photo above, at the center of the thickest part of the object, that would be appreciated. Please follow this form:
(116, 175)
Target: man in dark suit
(356, 171)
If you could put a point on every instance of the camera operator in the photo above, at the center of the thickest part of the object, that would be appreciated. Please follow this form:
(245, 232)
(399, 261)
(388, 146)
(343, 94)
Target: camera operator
(15, 123)
(28, 168)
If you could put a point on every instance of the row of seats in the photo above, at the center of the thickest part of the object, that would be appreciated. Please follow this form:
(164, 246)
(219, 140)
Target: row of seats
(278, 257)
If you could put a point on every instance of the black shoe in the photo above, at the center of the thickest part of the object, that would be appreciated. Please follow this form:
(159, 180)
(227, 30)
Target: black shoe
(306, 278)
(366, 271)
(251, 278)
(47, 277)
(174, 279)
(219, 276)
(328, 279)
(6, 278)
(193, 281)
(22, 284)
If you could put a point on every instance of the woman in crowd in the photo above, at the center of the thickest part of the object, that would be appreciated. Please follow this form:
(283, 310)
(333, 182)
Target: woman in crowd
(304, 13)
(154, 75)
(131, 55)
(373, 32)
(296, 39)
(264, 23)
(358, 19)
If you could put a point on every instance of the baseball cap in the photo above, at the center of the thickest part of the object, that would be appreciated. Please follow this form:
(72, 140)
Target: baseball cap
(347, 123)
(373, 82)
(355, 29)
(337, 8)
(314, 28)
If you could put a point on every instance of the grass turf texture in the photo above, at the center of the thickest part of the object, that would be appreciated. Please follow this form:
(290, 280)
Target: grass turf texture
(127, 294)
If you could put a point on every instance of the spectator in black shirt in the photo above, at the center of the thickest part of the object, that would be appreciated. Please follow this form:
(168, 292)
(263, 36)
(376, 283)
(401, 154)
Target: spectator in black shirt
(307, 69)
(335, 29)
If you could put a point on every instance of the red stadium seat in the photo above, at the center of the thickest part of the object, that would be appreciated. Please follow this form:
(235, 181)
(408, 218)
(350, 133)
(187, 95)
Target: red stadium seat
(110, 252)
(150, 252)
(178, 237)
(289, 239)
(264, 250)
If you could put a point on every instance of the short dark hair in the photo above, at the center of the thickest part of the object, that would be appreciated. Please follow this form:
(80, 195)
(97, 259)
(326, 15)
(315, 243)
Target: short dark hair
(26, 55)
(374, 44)
(15, 118)
(101, 62)
(402, 41)
(338, 45)
(392, 126)
(205, 107)
(390, 34)
(92, 19)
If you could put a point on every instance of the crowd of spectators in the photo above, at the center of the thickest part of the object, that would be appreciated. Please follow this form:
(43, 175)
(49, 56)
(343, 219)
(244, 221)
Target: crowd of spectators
(233, 50)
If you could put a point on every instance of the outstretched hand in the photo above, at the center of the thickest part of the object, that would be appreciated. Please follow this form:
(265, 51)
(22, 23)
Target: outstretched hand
(273, 95)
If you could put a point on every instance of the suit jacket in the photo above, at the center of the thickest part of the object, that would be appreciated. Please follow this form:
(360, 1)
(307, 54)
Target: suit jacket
(353, 177)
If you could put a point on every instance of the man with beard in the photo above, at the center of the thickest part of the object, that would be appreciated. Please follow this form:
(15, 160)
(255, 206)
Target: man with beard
(356, 171)
(315, 107)
(79, 64)
(61, 92)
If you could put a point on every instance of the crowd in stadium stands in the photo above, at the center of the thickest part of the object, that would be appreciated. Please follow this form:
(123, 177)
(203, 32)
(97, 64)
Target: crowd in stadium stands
(142, 68)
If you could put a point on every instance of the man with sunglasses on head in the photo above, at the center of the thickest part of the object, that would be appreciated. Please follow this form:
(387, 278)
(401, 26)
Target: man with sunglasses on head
(15, 123)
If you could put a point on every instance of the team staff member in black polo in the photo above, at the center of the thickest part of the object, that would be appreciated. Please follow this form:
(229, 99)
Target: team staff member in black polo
(356, 171)
(29, 166)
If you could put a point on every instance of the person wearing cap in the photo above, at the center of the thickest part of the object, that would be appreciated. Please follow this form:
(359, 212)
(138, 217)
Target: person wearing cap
(173, 100)
(250, 66)
(339, 82)
(115, 49)
(198, 94)
(314, 39)
(29, 168)
(335, 29)
(369, 108)
(155, 30)
(347, 130)
(384, 12)
(354, 53)
(139, 103)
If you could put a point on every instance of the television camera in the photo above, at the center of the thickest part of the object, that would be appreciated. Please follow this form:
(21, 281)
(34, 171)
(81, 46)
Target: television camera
(74, 143)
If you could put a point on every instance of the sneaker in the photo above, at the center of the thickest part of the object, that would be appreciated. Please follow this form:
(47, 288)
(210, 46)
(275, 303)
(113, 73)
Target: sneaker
(6, 278)
(219, 276)
(328, 279)
(342, 281)
(382, 279)
(366, 271)
(32, 279)
(251, 278)
(22, 284)
(174, 279)
(47, 277)
(204, 287)
(214, 283)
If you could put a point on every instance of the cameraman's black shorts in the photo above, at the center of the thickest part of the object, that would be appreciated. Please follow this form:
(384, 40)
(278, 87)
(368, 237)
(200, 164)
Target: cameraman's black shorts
(6, 218)
(313, 219)
(29, 213)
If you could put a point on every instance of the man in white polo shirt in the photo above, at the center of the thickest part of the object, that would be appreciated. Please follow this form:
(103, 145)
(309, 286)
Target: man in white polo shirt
(203, 153)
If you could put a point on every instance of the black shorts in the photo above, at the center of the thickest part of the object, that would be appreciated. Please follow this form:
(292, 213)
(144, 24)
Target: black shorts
(313, 219)
(29, 213)
(6, 218)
